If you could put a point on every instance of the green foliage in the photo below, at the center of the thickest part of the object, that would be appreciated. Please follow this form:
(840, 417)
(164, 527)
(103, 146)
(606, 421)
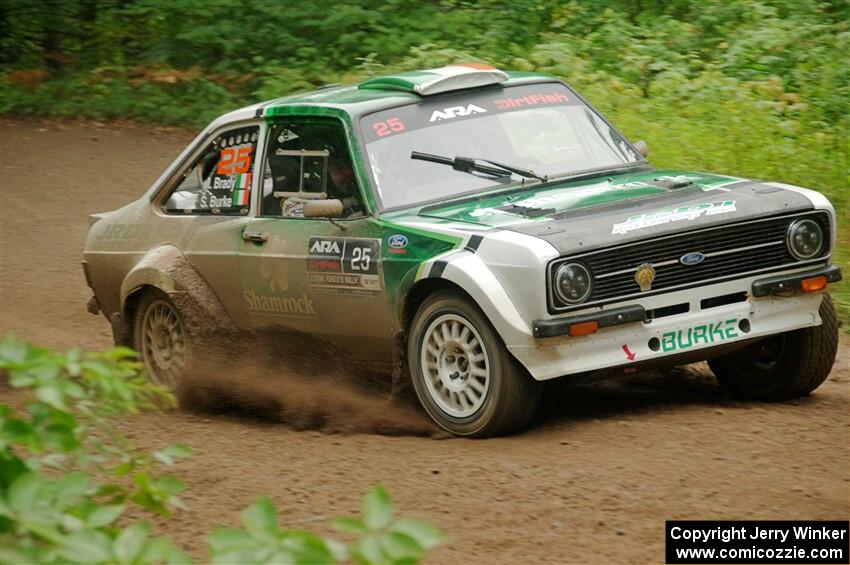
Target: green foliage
(66, 474)
(756, 88)
(379, 538)
(383, 539)
(67, 477)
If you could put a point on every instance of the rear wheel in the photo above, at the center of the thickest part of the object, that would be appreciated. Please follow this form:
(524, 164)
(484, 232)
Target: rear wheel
(161, 340)
(783, 366)
(463, 375)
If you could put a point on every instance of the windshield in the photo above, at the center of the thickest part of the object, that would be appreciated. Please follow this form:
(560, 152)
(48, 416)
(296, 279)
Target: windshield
(541, 127)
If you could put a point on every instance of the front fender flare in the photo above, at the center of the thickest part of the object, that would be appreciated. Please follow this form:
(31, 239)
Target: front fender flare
(469, 272)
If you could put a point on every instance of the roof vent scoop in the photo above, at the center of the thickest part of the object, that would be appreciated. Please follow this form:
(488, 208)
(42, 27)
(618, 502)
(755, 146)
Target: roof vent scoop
(436, 81)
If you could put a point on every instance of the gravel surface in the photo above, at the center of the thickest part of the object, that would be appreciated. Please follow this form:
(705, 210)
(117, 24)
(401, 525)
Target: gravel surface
(593, 481)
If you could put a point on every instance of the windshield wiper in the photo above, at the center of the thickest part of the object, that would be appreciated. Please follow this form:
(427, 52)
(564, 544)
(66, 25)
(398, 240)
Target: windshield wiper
(600, 172)
(473, 165)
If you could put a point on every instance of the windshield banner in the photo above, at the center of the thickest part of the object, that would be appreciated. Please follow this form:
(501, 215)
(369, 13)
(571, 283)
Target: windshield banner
(431, 112)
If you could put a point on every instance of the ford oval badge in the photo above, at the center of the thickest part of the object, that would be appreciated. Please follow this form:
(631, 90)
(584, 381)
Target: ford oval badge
(397, 241)
(692, 259)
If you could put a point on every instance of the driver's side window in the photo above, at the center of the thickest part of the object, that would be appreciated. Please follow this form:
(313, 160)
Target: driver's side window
(308, 160)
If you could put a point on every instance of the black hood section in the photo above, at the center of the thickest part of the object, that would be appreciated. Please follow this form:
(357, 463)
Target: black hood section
(683, 210)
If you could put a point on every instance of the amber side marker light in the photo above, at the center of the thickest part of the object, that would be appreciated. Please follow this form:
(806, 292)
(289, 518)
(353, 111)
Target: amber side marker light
(584, 328)
(813, 284)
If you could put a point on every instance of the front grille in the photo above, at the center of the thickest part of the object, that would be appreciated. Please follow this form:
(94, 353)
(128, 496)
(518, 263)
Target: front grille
(730, 250)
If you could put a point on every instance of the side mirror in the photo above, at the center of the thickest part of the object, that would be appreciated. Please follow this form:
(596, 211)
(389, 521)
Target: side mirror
(330, 208)
(642, 147)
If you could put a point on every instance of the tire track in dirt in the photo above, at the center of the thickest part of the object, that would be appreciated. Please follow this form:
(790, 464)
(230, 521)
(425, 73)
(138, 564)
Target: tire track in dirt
(594, 480)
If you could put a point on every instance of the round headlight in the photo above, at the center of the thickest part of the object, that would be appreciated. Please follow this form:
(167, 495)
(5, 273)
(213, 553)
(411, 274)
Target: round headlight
(572, 283)
(805, 239)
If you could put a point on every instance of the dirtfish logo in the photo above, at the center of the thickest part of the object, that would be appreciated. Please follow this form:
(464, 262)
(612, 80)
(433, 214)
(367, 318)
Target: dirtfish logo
(704, 334)
(456, 112)
(674, 215)
(325, 247)
(293, 306)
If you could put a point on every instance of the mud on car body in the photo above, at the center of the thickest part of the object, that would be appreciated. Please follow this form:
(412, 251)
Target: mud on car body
(493, 226)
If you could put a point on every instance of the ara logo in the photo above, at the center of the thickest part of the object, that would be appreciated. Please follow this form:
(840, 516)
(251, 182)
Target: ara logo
(694, 258)
(324, 246)
(456, 112)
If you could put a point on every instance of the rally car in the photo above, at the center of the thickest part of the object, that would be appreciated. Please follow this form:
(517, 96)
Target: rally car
(480, 231)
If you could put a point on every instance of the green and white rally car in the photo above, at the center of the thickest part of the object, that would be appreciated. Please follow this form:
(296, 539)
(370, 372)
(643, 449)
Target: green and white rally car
(482, 232)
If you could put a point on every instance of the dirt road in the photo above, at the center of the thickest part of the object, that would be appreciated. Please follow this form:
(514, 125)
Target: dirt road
(593, 481)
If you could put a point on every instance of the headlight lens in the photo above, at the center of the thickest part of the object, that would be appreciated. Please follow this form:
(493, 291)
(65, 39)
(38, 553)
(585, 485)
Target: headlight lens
(572, 283)
(805, 239)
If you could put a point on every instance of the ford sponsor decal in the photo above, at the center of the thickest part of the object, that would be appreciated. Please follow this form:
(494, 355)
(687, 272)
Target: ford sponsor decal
(397, 241)
(694, 258)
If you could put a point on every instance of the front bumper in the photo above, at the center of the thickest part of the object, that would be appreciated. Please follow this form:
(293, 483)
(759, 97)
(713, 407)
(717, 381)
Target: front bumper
(704, 323)
(774, 285)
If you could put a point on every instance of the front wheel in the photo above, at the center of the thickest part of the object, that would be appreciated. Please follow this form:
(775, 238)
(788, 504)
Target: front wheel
(783, 366)
(462, 373)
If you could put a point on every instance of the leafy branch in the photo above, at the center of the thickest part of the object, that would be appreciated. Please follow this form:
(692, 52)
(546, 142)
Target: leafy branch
(67, 476)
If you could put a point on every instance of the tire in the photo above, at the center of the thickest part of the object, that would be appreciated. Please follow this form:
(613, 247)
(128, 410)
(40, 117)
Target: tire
(463, 375)
(784, 366)
(160, 337)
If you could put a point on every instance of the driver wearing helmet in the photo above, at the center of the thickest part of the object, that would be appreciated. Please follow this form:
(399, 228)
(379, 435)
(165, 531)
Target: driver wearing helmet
(341, 182)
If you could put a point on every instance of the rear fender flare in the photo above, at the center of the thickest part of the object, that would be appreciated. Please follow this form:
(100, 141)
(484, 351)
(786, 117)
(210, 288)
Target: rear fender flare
(167, 269)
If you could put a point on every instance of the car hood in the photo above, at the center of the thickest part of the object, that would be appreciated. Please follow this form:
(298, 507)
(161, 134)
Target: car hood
(585, 215)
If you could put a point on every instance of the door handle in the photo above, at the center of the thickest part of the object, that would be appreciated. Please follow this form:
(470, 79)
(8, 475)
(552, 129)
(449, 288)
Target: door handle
(255, 236)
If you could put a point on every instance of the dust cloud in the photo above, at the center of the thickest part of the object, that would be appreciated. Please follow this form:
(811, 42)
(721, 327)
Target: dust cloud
(300, 382)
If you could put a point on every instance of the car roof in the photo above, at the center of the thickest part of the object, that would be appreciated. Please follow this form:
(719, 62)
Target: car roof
(377, 93)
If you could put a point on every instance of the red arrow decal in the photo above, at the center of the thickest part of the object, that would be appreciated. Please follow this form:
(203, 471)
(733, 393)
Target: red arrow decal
(629, 354)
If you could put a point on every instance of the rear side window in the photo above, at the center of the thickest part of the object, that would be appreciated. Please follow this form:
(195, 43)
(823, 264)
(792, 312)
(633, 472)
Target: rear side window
(219, 180)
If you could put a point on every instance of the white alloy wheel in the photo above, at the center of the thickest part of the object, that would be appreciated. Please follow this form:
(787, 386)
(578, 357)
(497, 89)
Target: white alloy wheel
(462, 373)
(162, 342)
(456, 366)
